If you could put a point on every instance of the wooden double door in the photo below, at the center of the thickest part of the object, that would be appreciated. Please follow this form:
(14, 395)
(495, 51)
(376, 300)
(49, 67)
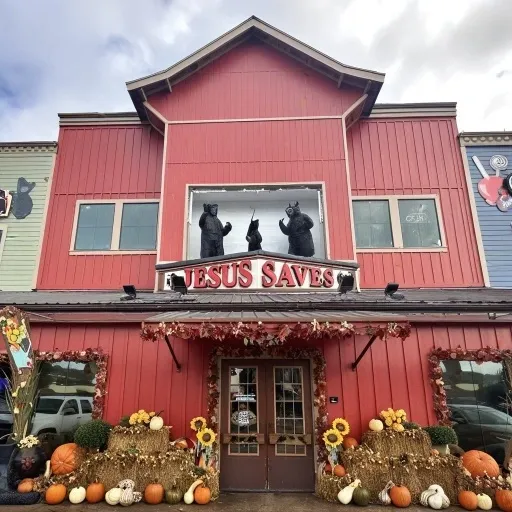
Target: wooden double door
(266, 426)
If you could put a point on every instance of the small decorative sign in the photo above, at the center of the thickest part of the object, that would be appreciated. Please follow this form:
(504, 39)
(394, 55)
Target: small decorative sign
(15, 331)
(495, 190)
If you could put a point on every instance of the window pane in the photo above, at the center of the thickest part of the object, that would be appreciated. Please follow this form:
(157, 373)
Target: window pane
(94, 230)
(420, 226)
(139, 226)
(372, 224)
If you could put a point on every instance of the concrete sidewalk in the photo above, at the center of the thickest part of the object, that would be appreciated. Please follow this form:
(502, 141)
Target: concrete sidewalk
(239, 502)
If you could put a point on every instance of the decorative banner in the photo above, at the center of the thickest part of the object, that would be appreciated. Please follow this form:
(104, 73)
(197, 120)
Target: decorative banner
(5, 202)
(15, 330)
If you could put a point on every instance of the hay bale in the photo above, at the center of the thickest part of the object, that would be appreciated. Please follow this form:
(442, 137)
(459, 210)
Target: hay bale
(393, 444)
(328, 486)
(142, 439)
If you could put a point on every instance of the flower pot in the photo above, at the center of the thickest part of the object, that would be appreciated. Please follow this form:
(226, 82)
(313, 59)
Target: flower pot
(29, 462)
(443, 449)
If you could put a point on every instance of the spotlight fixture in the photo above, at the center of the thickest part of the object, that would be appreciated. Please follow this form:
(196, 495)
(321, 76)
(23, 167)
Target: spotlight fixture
(178, 284)
(345, 283)
(131, 292)
(391, 291)
(492, 316)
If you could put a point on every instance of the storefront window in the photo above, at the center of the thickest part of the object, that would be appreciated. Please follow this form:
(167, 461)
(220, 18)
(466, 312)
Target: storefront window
(479, 403)
(419, 224)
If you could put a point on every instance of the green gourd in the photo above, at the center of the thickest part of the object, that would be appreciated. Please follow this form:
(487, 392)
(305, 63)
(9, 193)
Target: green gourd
(173, 496)
(361, 496)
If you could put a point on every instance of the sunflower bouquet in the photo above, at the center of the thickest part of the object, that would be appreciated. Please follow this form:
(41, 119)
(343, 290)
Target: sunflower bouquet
(333, 439)
(394, 419)
(205, 439)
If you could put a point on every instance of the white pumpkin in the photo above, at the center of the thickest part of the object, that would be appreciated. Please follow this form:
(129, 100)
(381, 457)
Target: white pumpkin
(345, 495)
(376, 425)
(156, 423)
(77, 495)
(113, 497)
(484, 502)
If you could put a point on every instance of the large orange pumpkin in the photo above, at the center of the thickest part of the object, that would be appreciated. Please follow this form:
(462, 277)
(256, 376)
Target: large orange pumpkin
(95, 492)
(154, 493)
(504, 500)
(26, 485)
(327, 468)
(400, 496)
(55, 494)
(350, 442)
(339, 470)
(63, 459)
(468, 500)
(202, 495)
(480, 463)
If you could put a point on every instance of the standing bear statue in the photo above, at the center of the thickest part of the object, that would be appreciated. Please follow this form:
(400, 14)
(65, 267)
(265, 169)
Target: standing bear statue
(298, 231)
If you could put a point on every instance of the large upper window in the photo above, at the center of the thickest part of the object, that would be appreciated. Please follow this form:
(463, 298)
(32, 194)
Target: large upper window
(395, 222)
(116, 226)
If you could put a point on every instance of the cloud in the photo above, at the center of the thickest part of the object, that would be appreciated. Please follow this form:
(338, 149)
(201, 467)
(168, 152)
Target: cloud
(63, 56)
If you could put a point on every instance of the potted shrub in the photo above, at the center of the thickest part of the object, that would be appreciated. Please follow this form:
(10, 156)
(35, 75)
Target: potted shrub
(93, 435)
(441, 437)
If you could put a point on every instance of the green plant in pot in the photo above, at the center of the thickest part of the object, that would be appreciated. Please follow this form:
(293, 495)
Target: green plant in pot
(93, 435)
(441, 437)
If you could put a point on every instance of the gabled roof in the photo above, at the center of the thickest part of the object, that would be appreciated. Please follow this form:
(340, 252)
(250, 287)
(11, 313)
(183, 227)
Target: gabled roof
(369, 81)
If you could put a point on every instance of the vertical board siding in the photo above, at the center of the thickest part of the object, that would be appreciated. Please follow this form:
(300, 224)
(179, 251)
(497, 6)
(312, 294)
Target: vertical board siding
(251, 81)
(258, 153)
(121, 162)
(18, 262)
(392, 374)
(406, 157)
(495, 226)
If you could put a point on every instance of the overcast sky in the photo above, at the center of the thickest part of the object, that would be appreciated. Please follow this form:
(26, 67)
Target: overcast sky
(76, 55)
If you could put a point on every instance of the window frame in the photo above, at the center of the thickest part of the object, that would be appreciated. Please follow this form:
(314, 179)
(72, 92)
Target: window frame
(116, 227)
(396, 227)
(3, 228)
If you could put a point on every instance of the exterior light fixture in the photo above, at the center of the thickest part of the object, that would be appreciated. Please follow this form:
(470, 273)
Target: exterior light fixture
(178, 284)
(391, 292)
(131, 292)
(345, 283)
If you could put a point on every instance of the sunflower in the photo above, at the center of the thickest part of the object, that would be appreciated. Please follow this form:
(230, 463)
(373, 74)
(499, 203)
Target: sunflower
(341, 424)
(198, 423)
(332, 438)
(206, 436)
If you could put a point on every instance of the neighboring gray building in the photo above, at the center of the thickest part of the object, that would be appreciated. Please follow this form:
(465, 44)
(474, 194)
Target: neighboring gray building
(488, 161)
(25, 175)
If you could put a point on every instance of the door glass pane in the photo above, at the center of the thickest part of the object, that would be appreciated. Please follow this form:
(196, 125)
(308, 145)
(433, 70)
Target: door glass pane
(243, 410)
(419, 223)
(94, 228)
(372, 224)
(289, 410)
(477, 396)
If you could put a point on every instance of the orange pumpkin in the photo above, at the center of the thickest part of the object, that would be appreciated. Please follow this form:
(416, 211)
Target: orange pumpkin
(350, 442)
(400, 496)
(327, 468)
(480, 463)
(434, 452)
(202, 495)
(468, 500)
(504, 500)
(26, 485)
(339, 470)
(63, 459)
(55, 494)
(95, 492)
(154, 493)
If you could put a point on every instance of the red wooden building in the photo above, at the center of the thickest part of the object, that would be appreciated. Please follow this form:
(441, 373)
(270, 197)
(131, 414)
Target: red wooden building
(253, 122)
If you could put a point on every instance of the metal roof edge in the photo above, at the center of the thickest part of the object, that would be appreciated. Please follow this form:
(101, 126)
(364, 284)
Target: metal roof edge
(442, 109)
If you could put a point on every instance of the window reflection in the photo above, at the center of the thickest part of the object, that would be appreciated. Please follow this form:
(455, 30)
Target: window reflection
(477, 396)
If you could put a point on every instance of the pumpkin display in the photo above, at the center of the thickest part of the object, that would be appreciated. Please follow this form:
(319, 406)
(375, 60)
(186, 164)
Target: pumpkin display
(77, 495)
(188, 498)
(376, 425)
(154, 493)
(63, 459)
(95, 492)
(202, 495)
(361, 496)
(339, 470)
(480, 464)
(113, 497)
(156, 423)
(26, 485)
(504, 500)
(468, 500)
(350, 442)
(400, 496)
(484, 501)
(173, 496)
(55, 494)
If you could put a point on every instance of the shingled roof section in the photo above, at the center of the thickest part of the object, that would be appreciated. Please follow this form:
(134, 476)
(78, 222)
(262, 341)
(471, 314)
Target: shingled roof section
(417, 300)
